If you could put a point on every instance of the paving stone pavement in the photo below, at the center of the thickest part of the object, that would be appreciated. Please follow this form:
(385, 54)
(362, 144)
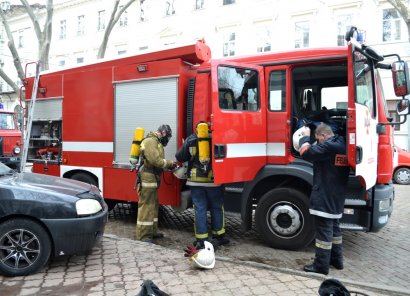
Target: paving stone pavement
(119, 265)
(373, 259)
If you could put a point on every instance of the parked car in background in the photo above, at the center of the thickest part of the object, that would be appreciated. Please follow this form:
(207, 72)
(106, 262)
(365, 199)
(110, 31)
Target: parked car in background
(10, 139)
(401, 173)
(45, 216)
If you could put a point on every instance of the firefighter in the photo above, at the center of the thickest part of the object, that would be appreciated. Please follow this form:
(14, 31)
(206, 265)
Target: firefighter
(330, 176)
(204, 192)
(152, 153)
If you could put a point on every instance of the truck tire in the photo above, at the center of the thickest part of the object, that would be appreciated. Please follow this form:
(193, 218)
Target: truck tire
(84, 177)
(111, 203)
(402, 176)
(25, 247)
(283, 220)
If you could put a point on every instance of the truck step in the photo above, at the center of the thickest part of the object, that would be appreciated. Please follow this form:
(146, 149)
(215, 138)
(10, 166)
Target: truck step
(351, 226)
(354, 202)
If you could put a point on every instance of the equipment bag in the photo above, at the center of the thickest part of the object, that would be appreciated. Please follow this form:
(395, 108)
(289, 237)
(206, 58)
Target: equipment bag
(150, 289)
(333, 287)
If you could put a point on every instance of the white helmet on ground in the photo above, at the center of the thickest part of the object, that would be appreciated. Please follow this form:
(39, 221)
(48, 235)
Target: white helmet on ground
(180, 172)
(204, 258)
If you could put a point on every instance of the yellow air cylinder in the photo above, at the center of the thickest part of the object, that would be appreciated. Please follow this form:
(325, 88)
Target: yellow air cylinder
(136, 143)
(203, 143)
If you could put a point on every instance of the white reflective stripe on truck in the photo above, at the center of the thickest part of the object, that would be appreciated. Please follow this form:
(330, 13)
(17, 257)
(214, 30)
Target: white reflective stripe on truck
(88, 146)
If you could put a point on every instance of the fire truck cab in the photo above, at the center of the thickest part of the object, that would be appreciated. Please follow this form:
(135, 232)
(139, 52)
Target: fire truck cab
(10, 139)
(254, 104)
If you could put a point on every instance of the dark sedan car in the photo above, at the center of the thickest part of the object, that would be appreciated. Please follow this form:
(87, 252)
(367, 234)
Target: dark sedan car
(43, 216)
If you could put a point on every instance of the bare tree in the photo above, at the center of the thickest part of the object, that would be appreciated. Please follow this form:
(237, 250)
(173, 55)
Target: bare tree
(43, 37)
(115, 16)
(403, 8)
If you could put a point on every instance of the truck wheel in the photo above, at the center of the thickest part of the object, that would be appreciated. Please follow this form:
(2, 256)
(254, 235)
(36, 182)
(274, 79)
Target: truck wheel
(25, 247)
(402, 176)
(84, 177)
(283, 220)
(111, 204)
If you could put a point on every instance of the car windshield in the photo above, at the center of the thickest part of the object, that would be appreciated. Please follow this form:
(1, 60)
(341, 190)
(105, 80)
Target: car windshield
(5, 170)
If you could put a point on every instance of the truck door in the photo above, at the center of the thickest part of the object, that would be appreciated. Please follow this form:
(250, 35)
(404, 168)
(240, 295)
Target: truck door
(362, 117)
(238, 121)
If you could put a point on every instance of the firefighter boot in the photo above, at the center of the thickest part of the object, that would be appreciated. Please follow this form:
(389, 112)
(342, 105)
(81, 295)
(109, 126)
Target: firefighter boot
(321, 262)
(158, 235)
(336, 257)
(219, 240)
(199, 244)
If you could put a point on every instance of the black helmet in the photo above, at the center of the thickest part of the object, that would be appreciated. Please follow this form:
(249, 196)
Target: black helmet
(166, 134)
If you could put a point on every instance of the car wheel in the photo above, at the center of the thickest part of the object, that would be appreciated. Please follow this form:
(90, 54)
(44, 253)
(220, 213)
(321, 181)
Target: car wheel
(86, 178)
(283, 220)
(402, 176)
(25, 247)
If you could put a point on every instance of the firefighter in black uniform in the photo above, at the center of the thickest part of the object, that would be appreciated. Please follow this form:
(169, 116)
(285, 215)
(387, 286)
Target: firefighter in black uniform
(204, 192)
(330, 176)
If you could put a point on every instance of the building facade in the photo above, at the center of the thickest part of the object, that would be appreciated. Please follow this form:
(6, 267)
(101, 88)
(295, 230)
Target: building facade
(229, 27)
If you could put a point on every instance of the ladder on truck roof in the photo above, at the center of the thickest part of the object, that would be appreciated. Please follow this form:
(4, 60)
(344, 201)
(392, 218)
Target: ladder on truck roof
(30, 112)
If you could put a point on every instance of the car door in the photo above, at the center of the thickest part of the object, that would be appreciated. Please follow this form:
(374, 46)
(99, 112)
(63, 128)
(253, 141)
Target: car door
(362, 117)
(238, 121)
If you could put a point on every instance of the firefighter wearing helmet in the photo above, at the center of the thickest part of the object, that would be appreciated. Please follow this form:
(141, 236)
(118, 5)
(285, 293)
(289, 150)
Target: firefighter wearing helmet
(149, 175)
(196, 150)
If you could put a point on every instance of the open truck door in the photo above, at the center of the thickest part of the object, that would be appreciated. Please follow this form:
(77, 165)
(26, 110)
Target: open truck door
(362, 117)
(238, 121)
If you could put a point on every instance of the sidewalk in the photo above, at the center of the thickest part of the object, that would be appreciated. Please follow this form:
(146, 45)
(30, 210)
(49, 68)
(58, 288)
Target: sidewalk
(118, 266)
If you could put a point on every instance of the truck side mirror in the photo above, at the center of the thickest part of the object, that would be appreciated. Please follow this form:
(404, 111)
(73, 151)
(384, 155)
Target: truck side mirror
(403, 107)
(401, 78)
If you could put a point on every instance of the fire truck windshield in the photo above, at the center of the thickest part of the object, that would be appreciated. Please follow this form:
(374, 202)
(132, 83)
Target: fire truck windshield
(7, 121)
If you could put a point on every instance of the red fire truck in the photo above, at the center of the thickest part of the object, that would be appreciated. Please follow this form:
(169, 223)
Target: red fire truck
(10, 139)
(86, 117)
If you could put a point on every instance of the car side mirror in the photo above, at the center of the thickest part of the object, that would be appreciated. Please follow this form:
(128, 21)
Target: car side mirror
(401, 78)
(403, 107)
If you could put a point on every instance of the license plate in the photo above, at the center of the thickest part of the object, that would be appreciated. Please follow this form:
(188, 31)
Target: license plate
(13, 158)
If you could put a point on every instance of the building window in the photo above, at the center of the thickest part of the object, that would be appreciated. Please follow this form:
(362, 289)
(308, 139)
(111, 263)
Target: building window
(344, 23)
(263, 39)
(227, 2)
(124, 18)
(229, 45)
(21, 39)
(63, 29)
(101, 20)
(169, 9)
(121, 52)
(391, 109)
(80, 25)
(144, 47)
(61, 63)
(142, 10)
(80, 60)
(391, 25)
(301, 34)
(199, 4)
